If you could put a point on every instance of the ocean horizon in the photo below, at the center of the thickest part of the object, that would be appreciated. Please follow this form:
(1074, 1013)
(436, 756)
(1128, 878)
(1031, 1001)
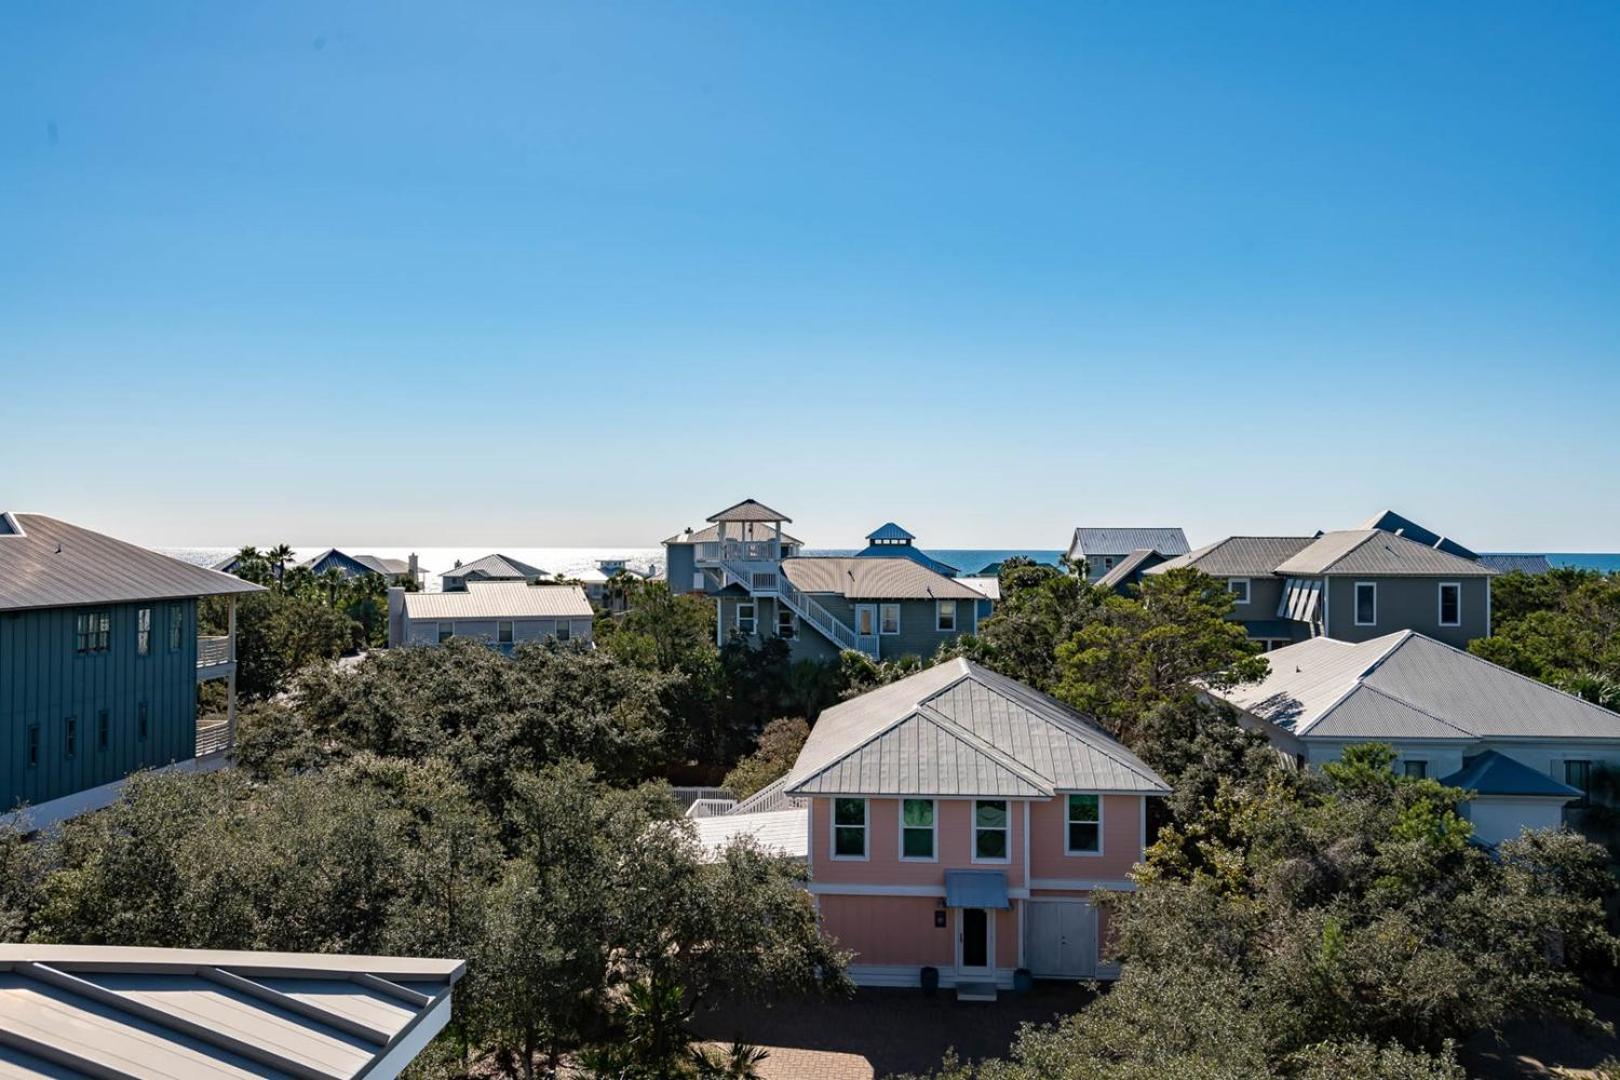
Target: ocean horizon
(570, 561)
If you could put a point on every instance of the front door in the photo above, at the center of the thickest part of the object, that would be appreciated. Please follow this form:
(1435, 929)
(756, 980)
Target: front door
(866, 620)
(975, 942)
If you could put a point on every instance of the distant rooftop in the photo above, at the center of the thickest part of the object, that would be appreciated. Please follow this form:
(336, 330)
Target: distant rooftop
(749, 510)
(890, 533)
(500, 600)
(1090, 542)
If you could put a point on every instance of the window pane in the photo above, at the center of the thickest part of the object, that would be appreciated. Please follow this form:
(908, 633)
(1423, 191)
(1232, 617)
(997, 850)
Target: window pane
(991, 844)
(890, 614)
(1417, 770)
(1083, 808)
(918, 812)
(990, 815)
(1365, 603)
(849, 811)
(1083, 836)
(918, 844)
(849, 842)
(1450, 604)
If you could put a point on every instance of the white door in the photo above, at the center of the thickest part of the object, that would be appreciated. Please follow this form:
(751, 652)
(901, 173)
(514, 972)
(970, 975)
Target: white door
(975, 943)
(1060, 939)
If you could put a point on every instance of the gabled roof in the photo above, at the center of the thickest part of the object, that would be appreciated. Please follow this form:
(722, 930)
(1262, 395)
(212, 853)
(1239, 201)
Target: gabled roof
(1124, 570)
(889, 531)
(712, 533)
(1377, 553)
(1491, 773)
(500, 600)
(1239, 556)
(1524, 564)
(46, 563)
(748, 510)
(497, 567)
(1391, 522)
(1407, 686)
(1089, 541)
(959, 729)
(374, 563)
(873, 579)
(91, 1010)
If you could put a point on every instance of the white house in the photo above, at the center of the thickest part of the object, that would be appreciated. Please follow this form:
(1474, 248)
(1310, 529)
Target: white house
(1527, 749)
(500, 613)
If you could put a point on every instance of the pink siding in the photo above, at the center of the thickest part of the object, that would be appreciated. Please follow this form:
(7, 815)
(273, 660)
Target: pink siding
(883, 865)
(1121, 847)
(890, 929)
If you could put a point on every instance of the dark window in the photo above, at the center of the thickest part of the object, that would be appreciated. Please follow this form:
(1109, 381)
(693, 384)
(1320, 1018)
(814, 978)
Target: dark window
(1415, 770)
(91, 630)
(177, 627)
(1085, 825)
(33, 745)
(1450, 604)
(990, 824)
(503, 632)
(70, 743)
(1578, 774)
(1366, 603)
(102, 730)
(564, 630)
(143, 631)
(140, 721)
(849, 828)
(917, 828)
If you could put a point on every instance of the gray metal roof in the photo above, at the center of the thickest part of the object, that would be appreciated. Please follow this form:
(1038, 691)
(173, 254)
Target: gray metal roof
(874, 579)
(1089, 541)
(712, 533)
(1239, 556)
(1126, 568)
(1491, 773)
(500, 600)
(1376, 553)
(1391, 522)
(497, 567)
(748, 510)
(960, 729)
(102, 1011)
(374, 563)
(785, 832)
(1524, 564)
(889, 531)
(51, 563)
(1407, 686)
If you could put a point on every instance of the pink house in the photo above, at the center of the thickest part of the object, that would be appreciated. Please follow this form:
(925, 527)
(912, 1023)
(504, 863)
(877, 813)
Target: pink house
(959, 820)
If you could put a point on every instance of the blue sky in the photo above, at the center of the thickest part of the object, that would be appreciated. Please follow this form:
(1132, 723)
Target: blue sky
(584, 273)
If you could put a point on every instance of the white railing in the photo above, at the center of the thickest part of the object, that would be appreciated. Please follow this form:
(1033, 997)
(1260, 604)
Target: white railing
(713, 551)
(817, 615)
(213, 737)
(213, 651)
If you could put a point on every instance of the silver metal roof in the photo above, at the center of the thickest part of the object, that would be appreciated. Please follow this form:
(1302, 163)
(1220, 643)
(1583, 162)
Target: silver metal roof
(1126, 567)
(785, 832)
(497, 566)
(1376, 553)
(874, 579)
(1524, 564)
(102, 1011)
(1239, 556)
(748, 510)
(712, 533)
(988, 587)
(1089, 541)
(1407, 686)
(51, 563)
(500, 600)
(960, 729)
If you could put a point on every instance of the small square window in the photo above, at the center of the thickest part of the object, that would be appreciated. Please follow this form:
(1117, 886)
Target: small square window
(1084, 825)
(91, 631)
(849, 828)
(945, 616)
(787, 625)
(745, 618)
(1414, 769)
(1366, 603)
(1239, 588)
(889, 619)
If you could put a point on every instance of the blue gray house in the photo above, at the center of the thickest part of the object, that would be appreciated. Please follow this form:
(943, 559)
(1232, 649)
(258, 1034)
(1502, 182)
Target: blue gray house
(888, 601)
(100, 660)
(1100, 550)
(396, 571)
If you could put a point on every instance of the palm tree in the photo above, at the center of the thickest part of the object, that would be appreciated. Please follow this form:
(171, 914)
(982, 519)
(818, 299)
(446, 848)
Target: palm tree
(333, 581)
(278, 557)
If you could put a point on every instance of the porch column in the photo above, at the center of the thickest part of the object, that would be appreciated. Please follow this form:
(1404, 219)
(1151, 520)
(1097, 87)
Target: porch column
(777, 552)
(230, 686)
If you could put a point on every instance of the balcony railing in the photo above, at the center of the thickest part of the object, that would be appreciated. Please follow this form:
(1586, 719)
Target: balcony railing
(213, 651)
(715, 551)
(213, 737)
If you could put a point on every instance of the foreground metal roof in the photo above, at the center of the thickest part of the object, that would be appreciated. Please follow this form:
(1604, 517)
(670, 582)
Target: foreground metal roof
(500, 600)
(46, 563)
(102, 1011)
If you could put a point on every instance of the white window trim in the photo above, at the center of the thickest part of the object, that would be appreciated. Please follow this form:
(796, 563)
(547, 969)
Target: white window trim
(940, 607)
(974, 830)
(1067, 851)
(888, 633)
(1355, 602)
(1440, 603)
(753, 618)
(865, 827)
(900, 834)
(870, 609)
(1248, 590)
(791, 623)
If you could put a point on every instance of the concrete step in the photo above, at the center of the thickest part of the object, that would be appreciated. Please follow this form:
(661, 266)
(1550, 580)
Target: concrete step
(976, 991)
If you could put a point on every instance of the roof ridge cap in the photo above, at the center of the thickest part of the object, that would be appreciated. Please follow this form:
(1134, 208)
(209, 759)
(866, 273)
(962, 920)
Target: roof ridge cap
(989, 749)
(1517, 675)
(1355, 683)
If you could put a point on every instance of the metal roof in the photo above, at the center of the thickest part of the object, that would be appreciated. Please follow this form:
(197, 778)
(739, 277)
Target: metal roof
(1376, 553)
(976, 888)
(1391, 522)
(500, 600)
(51, 563)
(906, 551)
(1491, 773)
(102, 1011)
(988, 587)
(748, 510)
(1127, 567)
(376, 564)
(874, 579)
(1407, 686)
(1090, 541)
(889, 531)
(496, 567)
(712, 533)
(785, 832)
(1524, 564)
(960, 729)
(1239, 556)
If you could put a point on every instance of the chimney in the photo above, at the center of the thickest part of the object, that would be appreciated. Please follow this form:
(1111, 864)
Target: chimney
(396, 614)
(415, 568)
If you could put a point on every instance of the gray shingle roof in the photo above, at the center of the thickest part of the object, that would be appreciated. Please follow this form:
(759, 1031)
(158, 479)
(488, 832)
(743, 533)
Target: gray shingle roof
(89, 1010)
(960, 729)
(1376, 553)
(1089, 541)
(51, 563)
(874, 579)
(1405, 685)
(501, 600)
(1239, 556)
(748, 510)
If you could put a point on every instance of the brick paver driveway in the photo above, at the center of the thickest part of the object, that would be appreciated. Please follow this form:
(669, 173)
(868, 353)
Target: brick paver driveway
(881, 1032)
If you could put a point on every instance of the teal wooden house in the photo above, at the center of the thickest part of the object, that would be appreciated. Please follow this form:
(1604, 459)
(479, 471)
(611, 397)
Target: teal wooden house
(100, 660)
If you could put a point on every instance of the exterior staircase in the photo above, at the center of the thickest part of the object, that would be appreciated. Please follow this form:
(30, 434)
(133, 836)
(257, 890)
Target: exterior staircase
(768, 580)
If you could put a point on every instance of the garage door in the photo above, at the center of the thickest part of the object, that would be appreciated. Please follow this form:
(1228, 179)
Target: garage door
(1060, 939)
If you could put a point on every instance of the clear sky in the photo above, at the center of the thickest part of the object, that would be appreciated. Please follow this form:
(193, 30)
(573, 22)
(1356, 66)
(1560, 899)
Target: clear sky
(535, 273)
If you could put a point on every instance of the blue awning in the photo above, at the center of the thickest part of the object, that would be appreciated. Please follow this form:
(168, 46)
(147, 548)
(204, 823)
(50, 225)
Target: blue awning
(976, 888)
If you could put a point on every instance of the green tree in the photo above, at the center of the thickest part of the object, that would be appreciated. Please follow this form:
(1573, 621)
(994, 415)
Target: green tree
(777, 750)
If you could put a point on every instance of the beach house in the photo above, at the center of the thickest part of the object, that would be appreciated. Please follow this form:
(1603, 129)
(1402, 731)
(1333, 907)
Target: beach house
(100, 660)
(1529, 750)
(395, 571)
(502, 614)
(494, 567)
(888, 600)
(959, 821)
(1100, 550)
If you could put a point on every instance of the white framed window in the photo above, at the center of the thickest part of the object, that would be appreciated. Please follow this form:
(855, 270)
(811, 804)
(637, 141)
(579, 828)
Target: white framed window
(992, 820)
(865, 620)
(447, 630)
(945, 616)
(91, 631)
(143, 631)
(1366, 603)
(1082, 831)
(1451, 603)
(745, 618)
(787, 624)
(503, 631)
(919, 830)
(1108, 562)
(888, 619)
(849, 829)
(1239, 588)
